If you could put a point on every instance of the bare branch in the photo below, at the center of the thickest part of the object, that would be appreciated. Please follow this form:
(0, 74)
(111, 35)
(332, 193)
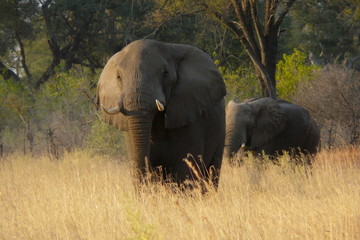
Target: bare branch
(230, 24)
(260, 35)
(271, 6)
(243, 29)
(245, 23)
(238, 13)
(281, 16)
(168, 19)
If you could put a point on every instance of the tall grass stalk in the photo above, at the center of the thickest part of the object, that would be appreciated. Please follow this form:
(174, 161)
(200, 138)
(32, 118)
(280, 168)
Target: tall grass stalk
(92, 197)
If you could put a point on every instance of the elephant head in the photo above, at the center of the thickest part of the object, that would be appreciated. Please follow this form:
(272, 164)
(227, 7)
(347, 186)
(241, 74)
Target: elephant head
(252, 124)
(148, 78)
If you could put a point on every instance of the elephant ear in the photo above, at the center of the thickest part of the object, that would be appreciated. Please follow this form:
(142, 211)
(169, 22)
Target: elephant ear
(270, 121)
(199, 87)
(108, 93)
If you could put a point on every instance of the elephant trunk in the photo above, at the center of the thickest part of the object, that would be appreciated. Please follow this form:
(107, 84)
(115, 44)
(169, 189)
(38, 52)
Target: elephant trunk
(229, 153)
(233, 142)
(139, 133)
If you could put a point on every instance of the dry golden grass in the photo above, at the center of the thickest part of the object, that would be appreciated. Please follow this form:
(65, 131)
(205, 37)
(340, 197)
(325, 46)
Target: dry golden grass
(89, 197)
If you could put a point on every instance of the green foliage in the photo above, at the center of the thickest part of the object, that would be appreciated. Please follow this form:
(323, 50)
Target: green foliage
(64, 92)
(16, 115)
(105, 139)
(53, 39)
(291, 71)
(16, 21)
(38, 55)
(240, 83)
(63, 107)
(63, 110)
(16, 103)
(326, 29)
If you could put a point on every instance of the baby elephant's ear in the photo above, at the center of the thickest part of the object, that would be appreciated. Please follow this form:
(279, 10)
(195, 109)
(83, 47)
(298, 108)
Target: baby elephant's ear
(199, 87)
(108, 94)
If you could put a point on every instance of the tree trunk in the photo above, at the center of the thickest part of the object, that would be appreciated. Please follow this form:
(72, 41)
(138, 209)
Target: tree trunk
(52, 147)
(259, 40)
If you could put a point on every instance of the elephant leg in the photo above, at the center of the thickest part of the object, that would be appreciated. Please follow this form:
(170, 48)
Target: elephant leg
(158, 162)
(214, 156)
(215, 139)
(214, 169)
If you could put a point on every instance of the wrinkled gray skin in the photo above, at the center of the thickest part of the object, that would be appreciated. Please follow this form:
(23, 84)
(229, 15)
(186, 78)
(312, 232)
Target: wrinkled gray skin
(169, 100)
(270, 126)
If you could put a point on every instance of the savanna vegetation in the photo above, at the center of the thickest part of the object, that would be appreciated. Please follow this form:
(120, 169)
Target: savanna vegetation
(92, 197)
(52, 52)
(64, 174)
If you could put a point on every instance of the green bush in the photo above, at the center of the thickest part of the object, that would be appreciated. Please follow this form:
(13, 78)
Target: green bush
(16, 115)
(240, 83)
(105, 139)
(291, 71)
(63, 110)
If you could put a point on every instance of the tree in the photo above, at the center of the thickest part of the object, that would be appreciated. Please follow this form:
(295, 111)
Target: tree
(171, 24)
(87, 32)
(15, 27)
(63, 110)
(327, 30)
(66, 34)
(84, 32)
(17, 111)
(255, 23)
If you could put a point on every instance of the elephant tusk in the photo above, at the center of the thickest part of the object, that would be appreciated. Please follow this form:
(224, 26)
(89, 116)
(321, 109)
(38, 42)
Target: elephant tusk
(111, 111)
(242, 149)
(159, 105)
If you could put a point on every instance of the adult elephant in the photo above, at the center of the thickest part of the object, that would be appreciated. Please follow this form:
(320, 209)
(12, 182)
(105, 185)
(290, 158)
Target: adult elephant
(269, 126)
(169, 98)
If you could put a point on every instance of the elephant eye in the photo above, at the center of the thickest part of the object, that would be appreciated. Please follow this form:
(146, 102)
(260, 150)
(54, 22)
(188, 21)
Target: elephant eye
(119, 80)
(165, 73)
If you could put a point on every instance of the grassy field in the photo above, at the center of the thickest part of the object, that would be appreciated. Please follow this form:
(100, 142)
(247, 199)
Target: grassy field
(91, 197)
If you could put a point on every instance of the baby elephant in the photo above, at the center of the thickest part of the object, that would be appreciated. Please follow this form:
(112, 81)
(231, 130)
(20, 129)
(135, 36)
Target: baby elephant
(269, 126)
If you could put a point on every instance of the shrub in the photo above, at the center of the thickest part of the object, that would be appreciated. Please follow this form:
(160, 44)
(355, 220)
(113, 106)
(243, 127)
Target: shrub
(333, 99)
(62, 111)
(291, 71)
(241, 83)
(16, 116)
(105, 139)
